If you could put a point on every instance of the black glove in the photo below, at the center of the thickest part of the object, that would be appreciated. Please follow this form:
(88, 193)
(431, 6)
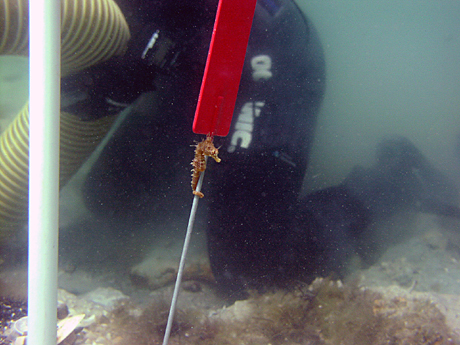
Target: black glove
(402, 178)
(330, 224)
(167, 39)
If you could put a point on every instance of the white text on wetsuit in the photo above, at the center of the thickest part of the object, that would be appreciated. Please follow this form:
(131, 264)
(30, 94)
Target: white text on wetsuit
(242, 136)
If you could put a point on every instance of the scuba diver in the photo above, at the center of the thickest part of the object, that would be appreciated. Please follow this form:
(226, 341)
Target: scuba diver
(260, 231)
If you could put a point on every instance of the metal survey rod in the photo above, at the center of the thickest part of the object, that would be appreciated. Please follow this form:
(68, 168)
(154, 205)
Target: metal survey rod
(180, 271)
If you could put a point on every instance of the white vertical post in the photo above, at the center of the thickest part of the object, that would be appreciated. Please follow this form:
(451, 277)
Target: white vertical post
(44, 90)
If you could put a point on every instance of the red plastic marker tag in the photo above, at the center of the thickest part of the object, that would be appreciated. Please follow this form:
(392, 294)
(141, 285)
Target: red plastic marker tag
(224, 65)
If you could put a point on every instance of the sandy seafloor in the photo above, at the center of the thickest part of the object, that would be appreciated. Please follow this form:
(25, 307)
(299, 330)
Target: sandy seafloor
(123, 285)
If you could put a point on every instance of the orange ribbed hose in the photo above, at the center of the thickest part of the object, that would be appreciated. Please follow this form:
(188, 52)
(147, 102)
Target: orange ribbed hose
(92, 31)
(96, 34)
(14, 25)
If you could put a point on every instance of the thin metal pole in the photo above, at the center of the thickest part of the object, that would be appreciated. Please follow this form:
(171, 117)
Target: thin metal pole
(45, 40)
(180, 271)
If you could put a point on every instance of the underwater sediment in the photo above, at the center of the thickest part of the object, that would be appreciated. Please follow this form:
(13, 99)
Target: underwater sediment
(325, 312)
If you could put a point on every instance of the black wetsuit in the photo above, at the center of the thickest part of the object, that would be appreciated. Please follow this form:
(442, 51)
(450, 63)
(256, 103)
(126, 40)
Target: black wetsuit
(259, 232)
(265, 156)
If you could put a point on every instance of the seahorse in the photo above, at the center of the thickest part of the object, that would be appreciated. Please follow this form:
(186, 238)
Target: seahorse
(204, 148)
